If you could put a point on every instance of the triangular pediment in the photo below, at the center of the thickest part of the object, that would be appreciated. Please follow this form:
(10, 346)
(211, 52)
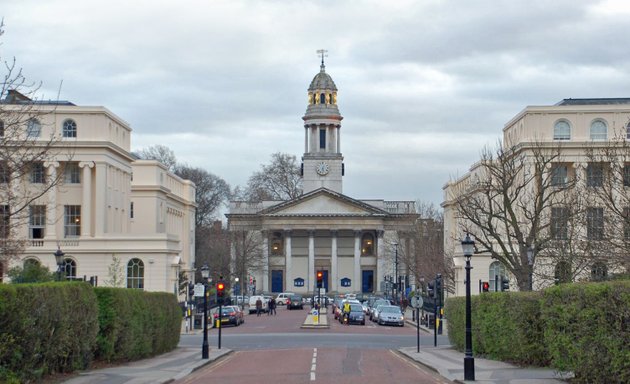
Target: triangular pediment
(324, 202)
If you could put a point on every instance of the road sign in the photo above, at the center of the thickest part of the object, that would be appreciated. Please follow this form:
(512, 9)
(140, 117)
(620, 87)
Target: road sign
(199, 289)
(417, 302)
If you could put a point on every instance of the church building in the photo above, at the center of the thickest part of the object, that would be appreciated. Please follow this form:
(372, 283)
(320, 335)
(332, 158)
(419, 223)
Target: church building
(351, 242)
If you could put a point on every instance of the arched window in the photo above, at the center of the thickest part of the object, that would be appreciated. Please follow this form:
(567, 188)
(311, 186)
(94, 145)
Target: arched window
(31, 263)
(69, 268)
(33, 128)
(562, 130)
(599, 130)
(135, 274)
(562, 272)
(69, 128)
(599, 271)
(496, 269)
(322, 99)
(277, 248)
(367, 244)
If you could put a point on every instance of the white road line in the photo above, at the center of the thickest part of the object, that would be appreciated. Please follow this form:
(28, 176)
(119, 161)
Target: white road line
(314, 364)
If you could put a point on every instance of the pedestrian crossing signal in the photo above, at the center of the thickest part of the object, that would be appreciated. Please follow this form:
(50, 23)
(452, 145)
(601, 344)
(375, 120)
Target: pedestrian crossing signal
(485, 286)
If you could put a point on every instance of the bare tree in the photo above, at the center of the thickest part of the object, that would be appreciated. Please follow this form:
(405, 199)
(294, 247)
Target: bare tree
(212, 192)
(278, 180)
(213, 249)
(508, 204)
(608, 172)
(248, 253)
(26, 151)
(161, 153)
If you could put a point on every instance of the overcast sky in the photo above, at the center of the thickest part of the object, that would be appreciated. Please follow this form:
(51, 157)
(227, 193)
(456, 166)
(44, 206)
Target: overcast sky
(423, 85)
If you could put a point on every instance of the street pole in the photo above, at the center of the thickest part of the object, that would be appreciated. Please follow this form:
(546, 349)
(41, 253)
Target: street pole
(418, 328)
(396, 274)
(469, 361)
(205, 273)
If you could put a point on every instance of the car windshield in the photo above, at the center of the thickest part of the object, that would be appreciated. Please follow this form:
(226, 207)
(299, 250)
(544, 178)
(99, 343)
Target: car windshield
(296, 298)
(390, 310)
(356, 308)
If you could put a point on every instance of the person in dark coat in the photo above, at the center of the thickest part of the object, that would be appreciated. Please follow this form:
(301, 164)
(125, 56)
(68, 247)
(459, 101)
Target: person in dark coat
(258, 306)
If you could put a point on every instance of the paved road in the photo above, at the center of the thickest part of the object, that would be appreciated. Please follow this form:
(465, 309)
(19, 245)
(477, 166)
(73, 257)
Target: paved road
(314, 365)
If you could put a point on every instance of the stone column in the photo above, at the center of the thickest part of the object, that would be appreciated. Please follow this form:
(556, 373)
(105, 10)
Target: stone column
(311, 260)
(306, 130)
(338, 139)
(380, 260)
(334, 270)
(288, 260)
(356, 283)
(86, 207)
(265, 279)
(51, 206)
(100, 200)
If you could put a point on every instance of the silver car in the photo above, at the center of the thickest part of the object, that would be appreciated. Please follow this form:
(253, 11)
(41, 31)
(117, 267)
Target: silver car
(390, 314)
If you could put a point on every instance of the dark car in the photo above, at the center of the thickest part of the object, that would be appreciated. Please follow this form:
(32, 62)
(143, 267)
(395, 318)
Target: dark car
(356, 315)
(230, 315)
(294, 302)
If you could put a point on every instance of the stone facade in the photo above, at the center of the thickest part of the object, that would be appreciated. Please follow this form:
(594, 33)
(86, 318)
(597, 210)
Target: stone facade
(134, 210)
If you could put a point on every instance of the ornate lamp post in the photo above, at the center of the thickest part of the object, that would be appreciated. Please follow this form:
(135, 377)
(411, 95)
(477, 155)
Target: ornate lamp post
(468, 247)
(59, 260)
(205, 273)
(530, 261)
(397, 288)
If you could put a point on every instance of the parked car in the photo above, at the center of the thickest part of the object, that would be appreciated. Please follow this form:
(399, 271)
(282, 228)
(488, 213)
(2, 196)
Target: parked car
(375, 304)
(230, 315)
(390, 314)
(252, 303)
(356, 315)
(281, 299)
(294, 302)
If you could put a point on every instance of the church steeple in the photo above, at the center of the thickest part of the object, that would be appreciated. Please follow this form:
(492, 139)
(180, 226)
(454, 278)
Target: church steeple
(322, 161)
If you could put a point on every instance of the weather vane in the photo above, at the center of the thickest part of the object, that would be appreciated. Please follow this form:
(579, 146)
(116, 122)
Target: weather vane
(323, 53)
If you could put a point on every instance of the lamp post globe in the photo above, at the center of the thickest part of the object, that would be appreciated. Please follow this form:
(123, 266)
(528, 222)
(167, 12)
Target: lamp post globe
(205, 273)
(59, 260)
(468, 247)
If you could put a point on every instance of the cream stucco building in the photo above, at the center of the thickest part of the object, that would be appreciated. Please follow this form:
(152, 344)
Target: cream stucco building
(352, 242)
(574, 127)
(108, 204)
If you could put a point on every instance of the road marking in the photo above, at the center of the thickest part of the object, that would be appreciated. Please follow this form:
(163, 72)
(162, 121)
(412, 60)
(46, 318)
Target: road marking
(314, 364)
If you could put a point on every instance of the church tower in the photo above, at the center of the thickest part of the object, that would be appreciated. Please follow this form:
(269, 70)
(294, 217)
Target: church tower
(322, 163)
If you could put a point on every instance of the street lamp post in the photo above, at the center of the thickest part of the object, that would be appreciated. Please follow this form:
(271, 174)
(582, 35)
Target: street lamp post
(468, 246)
(396, 289)
(205, 273)
(236, 280)
(59, 260)
(530, 262)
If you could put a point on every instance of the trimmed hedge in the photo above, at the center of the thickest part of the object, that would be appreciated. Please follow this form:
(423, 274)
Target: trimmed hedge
(583, 328)
(506, 326)
(46, 328)
(134, 324)
(587, 330)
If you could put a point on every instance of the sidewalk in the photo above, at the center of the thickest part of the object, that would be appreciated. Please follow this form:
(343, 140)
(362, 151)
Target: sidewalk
(449, 363)
(165, 368)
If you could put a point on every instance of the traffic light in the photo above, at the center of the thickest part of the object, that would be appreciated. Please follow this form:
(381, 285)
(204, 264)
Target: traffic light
(505, 284)
(320, 279)
(220, 291)
(438, 288)
(485, 286)
(430, 289)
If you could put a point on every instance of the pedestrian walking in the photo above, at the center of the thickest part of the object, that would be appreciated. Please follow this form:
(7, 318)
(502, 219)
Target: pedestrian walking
(258, 306)
(272, 306)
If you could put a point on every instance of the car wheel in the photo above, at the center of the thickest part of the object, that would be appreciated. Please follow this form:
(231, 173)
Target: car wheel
(363, 322)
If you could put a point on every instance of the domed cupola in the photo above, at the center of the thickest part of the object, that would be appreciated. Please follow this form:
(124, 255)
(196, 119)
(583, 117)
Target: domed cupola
(322, 163)
(322, 95)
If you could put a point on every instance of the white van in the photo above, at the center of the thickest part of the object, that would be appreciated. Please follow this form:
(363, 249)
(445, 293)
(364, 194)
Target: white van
(281, 299)
(252, 303)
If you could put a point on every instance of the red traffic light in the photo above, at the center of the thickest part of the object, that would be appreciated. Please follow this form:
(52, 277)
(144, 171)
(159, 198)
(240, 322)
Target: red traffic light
(220, 287)
(319, 274)
(486, 286)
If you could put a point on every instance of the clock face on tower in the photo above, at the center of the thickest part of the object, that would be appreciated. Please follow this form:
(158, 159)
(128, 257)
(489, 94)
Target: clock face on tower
(322, 168)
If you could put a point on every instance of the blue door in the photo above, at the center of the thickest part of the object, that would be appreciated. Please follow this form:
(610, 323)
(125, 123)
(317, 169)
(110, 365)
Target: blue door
(276, 280)
(325, 277)
(367, 281)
